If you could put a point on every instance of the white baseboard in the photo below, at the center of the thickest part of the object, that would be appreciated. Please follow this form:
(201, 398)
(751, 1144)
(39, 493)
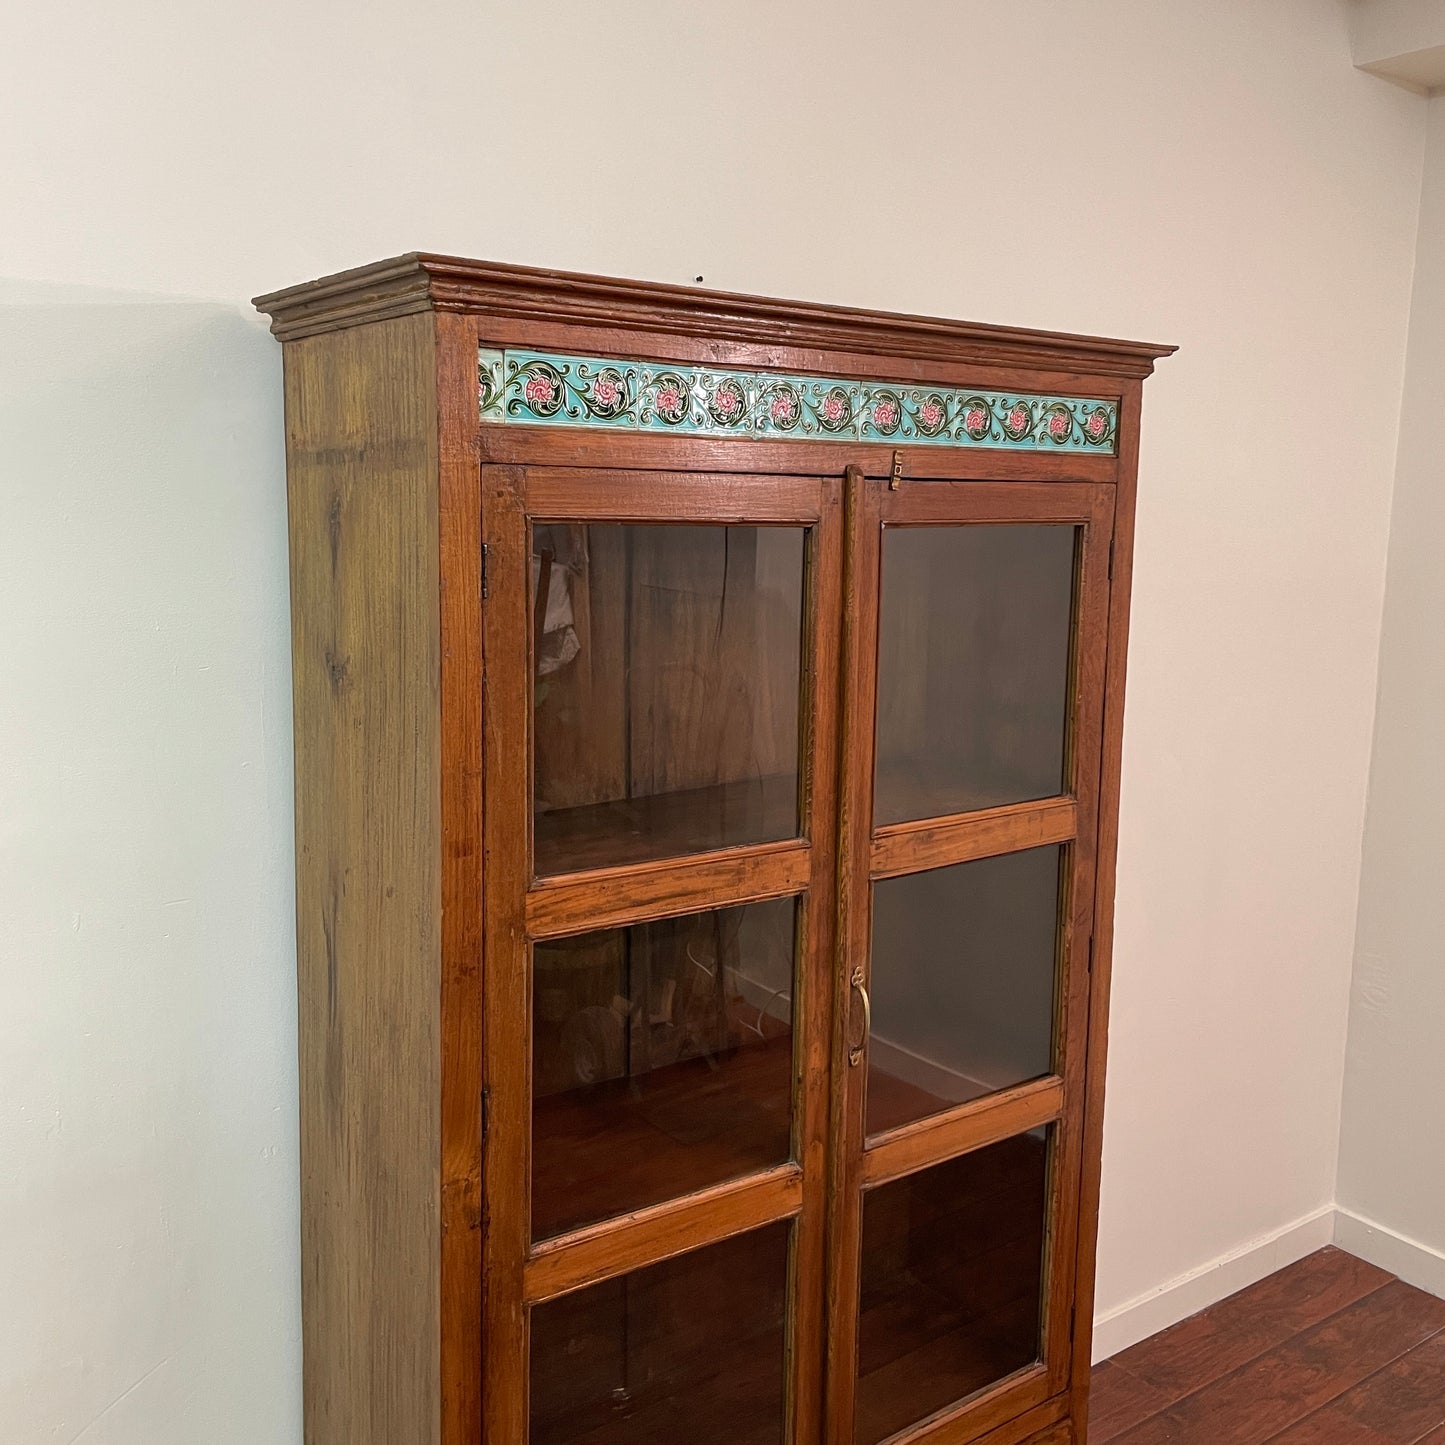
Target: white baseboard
(1415, 1263)
(1159, 1308)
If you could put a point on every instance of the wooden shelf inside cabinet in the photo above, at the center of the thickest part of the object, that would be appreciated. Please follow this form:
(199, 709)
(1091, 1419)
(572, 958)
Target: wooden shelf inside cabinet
(649, 1091)
(658, 826)
(694, 1124)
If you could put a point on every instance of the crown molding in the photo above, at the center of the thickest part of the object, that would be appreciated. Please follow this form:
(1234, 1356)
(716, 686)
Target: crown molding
(421, 281)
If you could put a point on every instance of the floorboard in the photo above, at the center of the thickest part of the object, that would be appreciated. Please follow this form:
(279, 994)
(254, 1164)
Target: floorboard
(1403, 1401)
(1119, 1400)
(1330, 1351)
(1245, 1326)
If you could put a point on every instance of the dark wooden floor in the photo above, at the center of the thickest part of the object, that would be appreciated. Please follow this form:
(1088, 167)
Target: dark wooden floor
(1330, 1351)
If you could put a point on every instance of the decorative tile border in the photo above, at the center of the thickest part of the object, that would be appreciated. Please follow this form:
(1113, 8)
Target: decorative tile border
(539, 388)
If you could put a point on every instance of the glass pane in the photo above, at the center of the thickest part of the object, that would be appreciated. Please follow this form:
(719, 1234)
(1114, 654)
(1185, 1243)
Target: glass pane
(668, 662)
(687, 1352)
(973, 667)
(964, 965)
(662, 1060)
(952, 1282)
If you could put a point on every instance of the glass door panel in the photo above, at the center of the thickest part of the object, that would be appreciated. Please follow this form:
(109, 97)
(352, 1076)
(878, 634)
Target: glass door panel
(973, 714)
(662, 1060)
(687, 1352)
(662, 655)
(973, 667)
(952, 1282)
(667, 674)
(964, 967)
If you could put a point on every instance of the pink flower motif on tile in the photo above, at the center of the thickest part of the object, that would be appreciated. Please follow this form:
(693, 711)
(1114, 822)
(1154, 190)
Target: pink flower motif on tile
(930, 414)
(1018, 420)
(1096, 424)
(834, 407)
(725, 401)
(539, 390)
(605, 391)
(885, 415)
(1058, 425)
(669, 401)
(782, 407)
(976, 420)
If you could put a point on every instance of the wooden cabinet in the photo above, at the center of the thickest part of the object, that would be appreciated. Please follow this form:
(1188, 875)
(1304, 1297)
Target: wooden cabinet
(707, 752)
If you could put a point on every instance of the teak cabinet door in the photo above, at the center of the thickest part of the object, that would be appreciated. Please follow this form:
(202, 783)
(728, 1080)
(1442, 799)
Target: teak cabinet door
(975, 631)
(790, 807)
(661, 665)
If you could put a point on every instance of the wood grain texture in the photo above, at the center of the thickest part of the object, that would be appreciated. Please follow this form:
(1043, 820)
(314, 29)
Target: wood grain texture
(851, 942)
(1006, 1412)
(665, 1133)
(460, 535)
(939, 842)
(655, 451)
(506, 1005)
(812, 1084)
(421, 280)
(631, 496)
(611, 897)
(1119, 1400)
(665, 879)
(965, 498)
(416, 894)
(361, 468)
(949, 1325)
(648, 1236)
(1255, 1402)
(625, 833)
(1401, 1402)
(1086, 743)
(874, 505)
(1121, 562)
(1197, 1351)
(1328, 1351)
(969, 1126)
(1044, 1424)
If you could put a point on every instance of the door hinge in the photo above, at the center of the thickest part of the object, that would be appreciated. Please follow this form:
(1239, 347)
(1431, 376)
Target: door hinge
(896, 474)
(486, 553)
(486, 1113)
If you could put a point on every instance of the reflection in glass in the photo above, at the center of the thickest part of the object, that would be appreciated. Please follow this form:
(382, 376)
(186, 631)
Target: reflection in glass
(687, 1352)
(964, 966)
(667, 666)
(952, 1282)
(661, 1060)
(973, 667)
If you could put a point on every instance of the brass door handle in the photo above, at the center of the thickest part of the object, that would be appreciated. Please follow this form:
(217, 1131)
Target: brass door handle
(855, 1054)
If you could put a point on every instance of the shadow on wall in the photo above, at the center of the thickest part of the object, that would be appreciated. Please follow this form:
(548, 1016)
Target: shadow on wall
(148, 1254)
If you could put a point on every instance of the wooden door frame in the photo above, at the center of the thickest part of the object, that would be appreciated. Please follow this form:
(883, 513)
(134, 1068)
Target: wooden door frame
(516, 1272)
(1073, 820)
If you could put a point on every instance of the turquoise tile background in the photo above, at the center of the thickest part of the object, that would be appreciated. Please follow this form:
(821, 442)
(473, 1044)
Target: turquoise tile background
(546, 389)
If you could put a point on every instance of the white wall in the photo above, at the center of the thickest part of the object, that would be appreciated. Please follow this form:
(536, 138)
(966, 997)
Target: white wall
(1217, 176)
(148, 1250)
(1392, 1148)
(1401, 39)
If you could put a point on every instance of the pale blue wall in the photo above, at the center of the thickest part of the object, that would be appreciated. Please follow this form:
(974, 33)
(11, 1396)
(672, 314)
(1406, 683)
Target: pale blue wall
(148, 1165)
